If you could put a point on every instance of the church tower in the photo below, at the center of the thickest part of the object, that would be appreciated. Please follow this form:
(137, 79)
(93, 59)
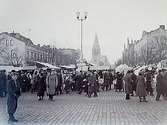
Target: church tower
(97, 58)
(96, 51)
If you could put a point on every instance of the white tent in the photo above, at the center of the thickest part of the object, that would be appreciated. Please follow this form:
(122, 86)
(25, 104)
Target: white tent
(95, 67)
(123, 68)
(47, 65)
(69, 67)
(142, 68)
(10, 68)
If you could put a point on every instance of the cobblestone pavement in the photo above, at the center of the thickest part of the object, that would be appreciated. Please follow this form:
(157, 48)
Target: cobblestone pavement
(110, 108)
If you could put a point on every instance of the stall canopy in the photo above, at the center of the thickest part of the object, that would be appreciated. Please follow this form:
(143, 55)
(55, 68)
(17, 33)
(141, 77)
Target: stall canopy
(47, 65)
(95, 67)
(68, 67)
(10, 68)
(123, 68)
(29, 67)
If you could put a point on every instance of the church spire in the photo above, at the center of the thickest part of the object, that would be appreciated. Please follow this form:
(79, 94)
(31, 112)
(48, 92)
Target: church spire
(96, 51)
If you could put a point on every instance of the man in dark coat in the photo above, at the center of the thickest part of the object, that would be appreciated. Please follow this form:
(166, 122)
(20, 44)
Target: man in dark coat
(128, 85)
(92, 88)
(41, 86)
(149, 88)
(13, 90)
(134, 82)
(164, 73)
(160, 85)
(119, 83)
(3, 82)
(60, 83)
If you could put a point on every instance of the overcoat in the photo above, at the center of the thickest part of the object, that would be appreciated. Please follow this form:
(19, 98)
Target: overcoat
(51, 84)
(141, 87)
(160, 85)
(128, 83)
(41, 86)
(13, 90)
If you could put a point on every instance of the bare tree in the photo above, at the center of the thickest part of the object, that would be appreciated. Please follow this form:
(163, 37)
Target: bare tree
(10, 56)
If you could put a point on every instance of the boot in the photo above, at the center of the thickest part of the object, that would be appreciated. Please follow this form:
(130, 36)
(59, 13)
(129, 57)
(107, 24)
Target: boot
(12, 118)
(140, 99)
(144, 99)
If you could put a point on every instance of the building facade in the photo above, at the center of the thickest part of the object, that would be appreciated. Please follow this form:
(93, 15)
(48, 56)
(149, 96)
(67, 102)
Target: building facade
(12, 50)
(150, 49)
(18, 50)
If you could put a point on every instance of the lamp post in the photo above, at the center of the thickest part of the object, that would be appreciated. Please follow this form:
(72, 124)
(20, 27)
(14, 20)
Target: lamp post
(81, 19)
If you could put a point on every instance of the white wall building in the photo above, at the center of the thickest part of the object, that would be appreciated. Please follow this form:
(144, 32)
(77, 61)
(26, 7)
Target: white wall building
(12, 50)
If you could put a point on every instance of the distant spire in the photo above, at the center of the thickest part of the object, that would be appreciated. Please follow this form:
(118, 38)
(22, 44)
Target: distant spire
(96, 47)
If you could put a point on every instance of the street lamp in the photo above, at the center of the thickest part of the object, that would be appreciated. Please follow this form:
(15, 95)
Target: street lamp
(81, 19)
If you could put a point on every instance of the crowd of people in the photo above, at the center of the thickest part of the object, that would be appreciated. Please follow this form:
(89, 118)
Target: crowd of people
(56, 82)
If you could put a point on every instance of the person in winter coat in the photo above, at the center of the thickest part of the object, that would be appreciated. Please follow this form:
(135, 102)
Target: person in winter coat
(106, 78)
(41, 86)
(92, 86)
(160, 85)
(34, 81)
(134, 83)
(51, 84)
(60, 84)
(3, 82)
(119, 82)
(164, 73)
(128, 85)
(13, 90)
(149, 78)
(141, 87)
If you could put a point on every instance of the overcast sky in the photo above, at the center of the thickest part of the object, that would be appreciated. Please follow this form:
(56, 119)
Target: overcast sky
(54, 22)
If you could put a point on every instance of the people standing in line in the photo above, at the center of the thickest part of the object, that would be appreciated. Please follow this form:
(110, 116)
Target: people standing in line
(141, 88)
(3, 83)
(134, 82)
(41, 85)
(159, 85)
(128, 85)
(13, 90)
(51, 83)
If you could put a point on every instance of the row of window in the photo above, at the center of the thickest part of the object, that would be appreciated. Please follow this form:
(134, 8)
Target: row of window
(37, 56)
(6, 42)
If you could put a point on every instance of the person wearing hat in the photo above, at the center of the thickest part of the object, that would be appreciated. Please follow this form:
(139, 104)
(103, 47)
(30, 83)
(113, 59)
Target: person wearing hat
(160, 85)
(141, 87)
(51, 83)
(41, 85)
(128, 85)
(13, 90)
